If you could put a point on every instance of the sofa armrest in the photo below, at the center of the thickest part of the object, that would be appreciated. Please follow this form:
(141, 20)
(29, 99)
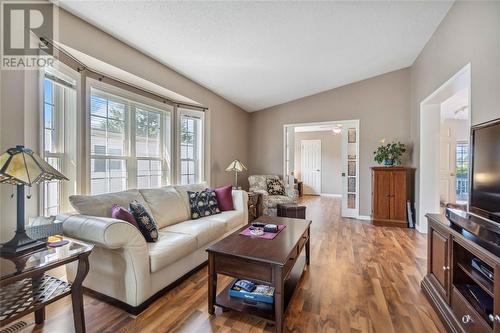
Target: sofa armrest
(240, 200)
(105, 232)
(119, 264)
(256, 190)
(291, 192)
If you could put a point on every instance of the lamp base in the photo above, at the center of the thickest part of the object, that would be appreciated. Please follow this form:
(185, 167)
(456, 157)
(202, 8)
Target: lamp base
(21, 244)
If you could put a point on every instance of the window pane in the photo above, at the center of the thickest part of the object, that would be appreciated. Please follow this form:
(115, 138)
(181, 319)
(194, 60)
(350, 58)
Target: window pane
(462, 171)
(148, 129)
(51, 191)
(108, 175)
(99, 106)
(190, 148)
(107, 122)
(149, 173)
(48, 94)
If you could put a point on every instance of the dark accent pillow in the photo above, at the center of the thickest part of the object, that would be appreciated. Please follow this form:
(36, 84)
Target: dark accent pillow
(275, 187)
(225, 198)
(203, 203)
(147, 224)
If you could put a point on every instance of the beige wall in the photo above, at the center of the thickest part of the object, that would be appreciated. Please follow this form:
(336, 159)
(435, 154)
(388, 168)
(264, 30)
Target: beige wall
(331, 156)
(380, 103)
(470, 32)
(19, 109)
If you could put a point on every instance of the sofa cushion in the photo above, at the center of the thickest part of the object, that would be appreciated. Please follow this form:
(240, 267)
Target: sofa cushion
(170, 247)
(204, 230)
(231, 219)
(166, 204)
(100, 205)
(183, 189)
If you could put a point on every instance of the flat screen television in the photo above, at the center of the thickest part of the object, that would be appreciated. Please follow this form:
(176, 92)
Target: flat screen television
(485, 170)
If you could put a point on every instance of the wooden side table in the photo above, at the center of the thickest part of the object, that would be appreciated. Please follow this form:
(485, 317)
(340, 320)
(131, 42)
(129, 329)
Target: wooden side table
(300, 188)
(25, 287)
(255, 207)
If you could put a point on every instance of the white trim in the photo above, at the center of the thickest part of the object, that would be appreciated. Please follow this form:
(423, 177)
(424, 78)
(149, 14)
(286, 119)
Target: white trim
(364, 217)
(345, 123)
(331, 195)
(426, 104)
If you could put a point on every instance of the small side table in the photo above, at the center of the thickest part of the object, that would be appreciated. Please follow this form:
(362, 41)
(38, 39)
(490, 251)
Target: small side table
(300, 188)
(25, 287)
(255, 207)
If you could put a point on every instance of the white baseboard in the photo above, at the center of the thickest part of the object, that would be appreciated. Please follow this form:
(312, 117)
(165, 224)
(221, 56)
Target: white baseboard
(331, 195)
(422, 230)
(364, 217)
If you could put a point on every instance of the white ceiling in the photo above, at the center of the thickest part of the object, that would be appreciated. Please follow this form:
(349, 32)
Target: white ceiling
(260, 54)
(457, 106)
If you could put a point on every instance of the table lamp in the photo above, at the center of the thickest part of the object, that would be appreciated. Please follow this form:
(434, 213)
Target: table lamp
(20, 166)
(236, 166)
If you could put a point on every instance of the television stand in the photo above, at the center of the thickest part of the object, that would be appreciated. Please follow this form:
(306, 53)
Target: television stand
(463, 278)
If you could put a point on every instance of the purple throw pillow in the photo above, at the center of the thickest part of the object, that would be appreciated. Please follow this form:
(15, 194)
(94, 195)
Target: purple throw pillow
(225, 198)
(120, 213)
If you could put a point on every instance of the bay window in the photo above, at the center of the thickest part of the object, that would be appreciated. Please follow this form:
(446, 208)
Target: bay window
(191, 146)
(58, 140)
(129, 143)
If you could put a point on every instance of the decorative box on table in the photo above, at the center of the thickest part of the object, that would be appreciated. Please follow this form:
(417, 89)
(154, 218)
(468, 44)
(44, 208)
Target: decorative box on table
(252, 296)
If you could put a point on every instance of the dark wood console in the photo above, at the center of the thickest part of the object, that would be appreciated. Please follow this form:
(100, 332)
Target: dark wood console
(452, 285)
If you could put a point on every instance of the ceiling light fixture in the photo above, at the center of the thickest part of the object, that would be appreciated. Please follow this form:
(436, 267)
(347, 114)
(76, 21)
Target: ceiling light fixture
(337, 129)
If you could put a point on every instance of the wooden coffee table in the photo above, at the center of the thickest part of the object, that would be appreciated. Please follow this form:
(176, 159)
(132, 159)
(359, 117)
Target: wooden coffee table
(277, 262)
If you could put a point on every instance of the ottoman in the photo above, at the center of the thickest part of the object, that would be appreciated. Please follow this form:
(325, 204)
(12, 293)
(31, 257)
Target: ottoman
(291, 210)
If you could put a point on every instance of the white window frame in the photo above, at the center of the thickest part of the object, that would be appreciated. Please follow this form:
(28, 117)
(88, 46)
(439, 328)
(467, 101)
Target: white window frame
(61, 153)
(129, 156)
(202, 165)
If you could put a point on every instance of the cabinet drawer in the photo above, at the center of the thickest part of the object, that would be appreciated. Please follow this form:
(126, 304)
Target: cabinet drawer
(242, 268)
(466, 315)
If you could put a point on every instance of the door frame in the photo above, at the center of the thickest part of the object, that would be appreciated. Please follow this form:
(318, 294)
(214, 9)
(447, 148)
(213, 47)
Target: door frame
(345, 123)
(320, 164)
(429, 136)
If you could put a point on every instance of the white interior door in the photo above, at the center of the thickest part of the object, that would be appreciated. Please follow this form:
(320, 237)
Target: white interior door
(311, 166)
(447, 165)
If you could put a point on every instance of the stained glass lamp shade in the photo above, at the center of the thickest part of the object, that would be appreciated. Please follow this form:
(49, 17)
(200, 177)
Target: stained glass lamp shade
(20, 166)
(236, 166)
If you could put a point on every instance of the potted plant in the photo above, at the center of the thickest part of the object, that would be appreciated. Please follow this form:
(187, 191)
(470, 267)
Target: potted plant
(389, 154)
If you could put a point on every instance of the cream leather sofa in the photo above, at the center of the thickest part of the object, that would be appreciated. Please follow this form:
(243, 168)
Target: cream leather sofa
(126, 268)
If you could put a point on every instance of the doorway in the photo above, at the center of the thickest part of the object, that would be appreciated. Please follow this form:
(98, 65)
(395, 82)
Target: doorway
(324, 157)
(310, 165)
(445, 118)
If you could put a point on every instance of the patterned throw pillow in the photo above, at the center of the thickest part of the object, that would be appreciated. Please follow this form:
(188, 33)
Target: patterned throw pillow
(203, 203)
(275, 187)
(147, 224)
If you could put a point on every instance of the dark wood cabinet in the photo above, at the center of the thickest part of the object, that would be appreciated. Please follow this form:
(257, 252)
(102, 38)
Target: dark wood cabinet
(439, 260)
(451, 280)
(392, 187)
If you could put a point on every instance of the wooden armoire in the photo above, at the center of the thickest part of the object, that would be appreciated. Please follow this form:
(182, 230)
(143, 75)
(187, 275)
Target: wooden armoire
(392, 187)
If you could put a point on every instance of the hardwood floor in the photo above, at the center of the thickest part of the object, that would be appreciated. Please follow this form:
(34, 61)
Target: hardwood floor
(361, 279)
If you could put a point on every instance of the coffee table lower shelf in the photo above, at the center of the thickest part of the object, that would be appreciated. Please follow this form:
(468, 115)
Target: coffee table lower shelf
(260, 309)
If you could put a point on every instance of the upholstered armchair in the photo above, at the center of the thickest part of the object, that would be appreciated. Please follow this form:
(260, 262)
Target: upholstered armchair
(258, 183)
